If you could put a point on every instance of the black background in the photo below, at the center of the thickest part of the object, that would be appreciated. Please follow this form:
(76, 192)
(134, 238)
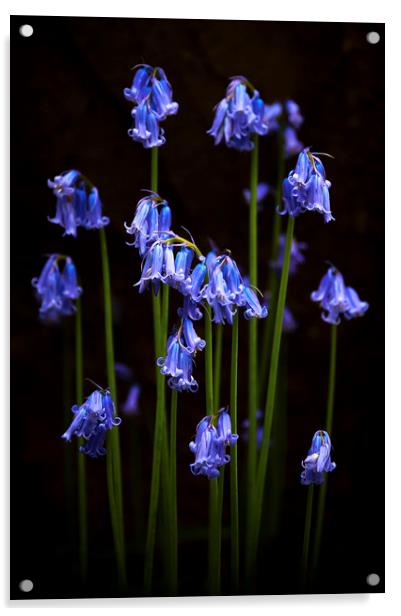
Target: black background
(68, 111)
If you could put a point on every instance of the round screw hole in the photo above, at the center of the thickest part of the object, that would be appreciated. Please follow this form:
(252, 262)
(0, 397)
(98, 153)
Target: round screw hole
(26, 30)
(26, 585)
(373, 37)
(373, 579)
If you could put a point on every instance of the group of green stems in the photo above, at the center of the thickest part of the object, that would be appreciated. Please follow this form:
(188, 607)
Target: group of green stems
(163, 486)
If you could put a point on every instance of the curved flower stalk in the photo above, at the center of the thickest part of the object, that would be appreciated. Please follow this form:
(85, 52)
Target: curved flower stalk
(78, 203)
(57, 288)
(296, 256)
(239, 115)
(91, 421)
(152, 95)
(318, 460)
(307, 188)
(337, 299)
(213, 435)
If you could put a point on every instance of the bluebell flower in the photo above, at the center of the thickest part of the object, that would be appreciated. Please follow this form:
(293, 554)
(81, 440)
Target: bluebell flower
(336, 299)
(148, 224)
(318, 460)
(91, 421)
(239, 116)
(78, 203)
(123, 371)
(57, 288)
(177, 364)
(306, 188)
(152, 95)
(210, 443)
(296, 256)
(254, 309)
(259, 429)
(272, 115)
(294, 117)
(130, 406)
(262, 191)
(289, 322)
(292, 145)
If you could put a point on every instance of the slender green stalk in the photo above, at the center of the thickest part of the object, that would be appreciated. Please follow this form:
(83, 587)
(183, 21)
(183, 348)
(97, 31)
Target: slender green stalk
(173, 489)
(321, 504)
(272, 281)
(114, 477)
(79, 394)
(234, 535)
(308, 522)
(255, 521)
(253, 332)
(159, 418)
(218, 351)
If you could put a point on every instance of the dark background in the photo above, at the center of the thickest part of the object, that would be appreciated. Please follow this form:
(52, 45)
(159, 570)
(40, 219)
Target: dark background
(68, 111)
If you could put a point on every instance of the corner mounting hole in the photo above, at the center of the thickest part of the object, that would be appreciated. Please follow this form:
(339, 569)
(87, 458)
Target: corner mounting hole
(373, 579)
(26, 30)
(373, 37)
(26, 585)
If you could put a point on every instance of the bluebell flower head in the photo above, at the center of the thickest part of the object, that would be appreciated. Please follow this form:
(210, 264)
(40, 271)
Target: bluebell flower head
(318, 460)
(239, 116)
(272, 115)
(294, 116)
(306, 188)
(292, 145)
(131, 406)
(210, 443)
(57, 288)
(262, 191)
(296, 256)
(152, 95)
(177, 364)
(78, 203)
(336, 299)
(123, 371)
(254, 309)
(91, 421)
(259, 429)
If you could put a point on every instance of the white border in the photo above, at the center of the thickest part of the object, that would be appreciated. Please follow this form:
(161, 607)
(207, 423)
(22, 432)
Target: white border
(291, 10)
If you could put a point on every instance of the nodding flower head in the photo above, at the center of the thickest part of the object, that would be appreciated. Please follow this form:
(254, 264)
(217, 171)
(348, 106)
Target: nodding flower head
(239, 115)
(337, 299)
(262, 191)
(318, 460)
(152, 221)
(57, 288)
(296, 256)
(130, 406)
(152, 95)
(91, 421)
(213, 435)
(306, 188)
(177, 364)
(78, 203)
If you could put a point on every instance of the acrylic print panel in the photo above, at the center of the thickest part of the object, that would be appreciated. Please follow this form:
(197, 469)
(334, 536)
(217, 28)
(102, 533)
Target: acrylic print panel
(154, 451)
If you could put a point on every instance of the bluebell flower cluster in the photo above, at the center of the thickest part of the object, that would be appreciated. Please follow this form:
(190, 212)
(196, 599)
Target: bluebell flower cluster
(152, 95)
(213, 435)
(78, 203)
(306, 188)
(239, 116)
(337, 299)
(318, 460)
(131, 404)
(57, 288)
(296, 256)
(91, 421)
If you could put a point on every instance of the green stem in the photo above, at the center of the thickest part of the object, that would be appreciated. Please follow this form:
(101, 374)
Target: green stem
(270, 402)
(218, 351)
(173, 488)
(79, 394)
(308, 522)
(234, 461)
(159, 418)
(321, 505)
(272, 281)
(253, 331)
(114, 478)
